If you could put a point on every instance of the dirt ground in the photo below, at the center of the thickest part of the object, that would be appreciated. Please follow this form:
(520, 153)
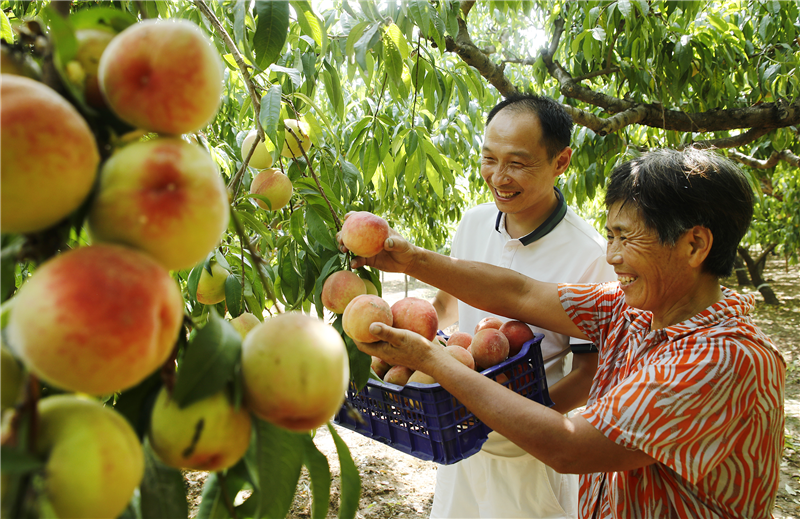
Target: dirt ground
(396, 485)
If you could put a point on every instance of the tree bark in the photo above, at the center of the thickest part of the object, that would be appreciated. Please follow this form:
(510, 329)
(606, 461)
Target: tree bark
(756, 274)
(740, 269)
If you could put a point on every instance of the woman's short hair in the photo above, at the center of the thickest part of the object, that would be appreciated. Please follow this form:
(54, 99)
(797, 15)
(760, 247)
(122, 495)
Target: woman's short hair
(677, 190)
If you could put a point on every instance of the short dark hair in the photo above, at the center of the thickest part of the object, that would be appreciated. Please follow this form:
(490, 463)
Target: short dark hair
(677, 190)
(556, 122)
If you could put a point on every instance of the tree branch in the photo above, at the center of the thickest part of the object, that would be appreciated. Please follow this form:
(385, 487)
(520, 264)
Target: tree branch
(471, 55)
(767, 163)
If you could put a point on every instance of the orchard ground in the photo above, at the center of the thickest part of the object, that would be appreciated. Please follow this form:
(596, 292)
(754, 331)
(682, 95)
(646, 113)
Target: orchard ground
(395, 484)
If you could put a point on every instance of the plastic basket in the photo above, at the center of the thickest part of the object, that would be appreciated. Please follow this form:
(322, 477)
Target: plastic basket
(426, 421)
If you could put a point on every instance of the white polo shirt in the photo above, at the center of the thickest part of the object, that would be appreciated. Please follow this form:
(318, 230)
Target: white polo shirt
(502, 480)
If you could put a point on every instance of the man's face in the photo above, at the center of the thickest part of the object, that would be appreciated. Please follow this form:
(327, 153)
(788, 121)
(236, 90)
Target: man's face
(515, 164)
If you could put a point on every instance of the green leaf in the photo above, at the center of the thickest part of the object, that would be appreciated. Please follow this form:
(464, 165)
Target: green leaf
(392, 59)
(162, 489)
(16, 461)
(209, 362)
(350, 479)
(115, 19)
(233, 295)
(366, 42)
(333, 87)
(371, 158)
(320, 475)
(310, 24)
(194, 279)
(394, 33)
(270, 114)
(353, 37)
(319, 231)
(294, 75)
(272, 28)
(280, 460)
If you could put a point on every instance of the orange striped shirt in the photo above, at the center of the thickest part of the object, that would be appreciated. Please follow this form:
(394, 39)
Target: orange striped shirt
(704, 398)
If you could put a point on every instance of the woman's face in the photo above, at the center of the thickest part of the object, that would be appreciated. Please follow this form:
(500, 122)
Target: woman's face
(649, 273)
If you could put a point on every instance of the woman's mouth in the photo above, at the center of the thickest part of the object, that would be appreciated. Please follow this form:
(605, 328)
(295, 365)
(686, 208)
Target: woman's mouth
(626, 280)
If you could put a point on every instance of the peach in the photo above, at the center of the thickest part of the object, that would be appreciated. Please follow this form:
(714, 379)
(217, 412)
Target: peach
(164, 196)
(362, 311)
(274, 185)
(517, 333)
(162, 76)
(398, 375)
(488, 322)
(379, 366)
(211, 287)
(461, 355)
(291, 146)
(244, 323)
(209, 434)
(48, 156)
(94, 459)
(421, 378)
(91, 45)
(417, 315)
(439, 340)
(295, 371)
(364, 233)
(340, 288)
(96, 320)
(261, 158)
(462, 339)
(489, 347)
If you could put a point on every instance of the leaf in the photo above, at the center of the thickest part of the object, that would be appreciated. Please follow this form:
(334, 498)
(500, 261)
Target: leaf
(392, 59)
(162, 489)
(599, 34)
(371, 158)
(394, 33)
(212, 502)
(333, 87)
(270, 114)
(320, 475)
(294, 75)
(310, 24)
(279, 458)
(233, 295)
(625, 8)
(366, 42)
(319, 231)
(359, 361)
(272, 28)
(209, 361)
(17, 461)
(350, 479)
(353, 37)
(194, 279)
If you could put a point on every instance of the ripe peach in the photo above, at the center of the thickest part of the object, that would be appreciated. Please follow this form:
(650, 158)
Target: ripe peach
(461, 355)
(162, 76)
(462, 339)
(262, 158)
(244, 323)
(340, 288)
(274, 185)
(363, 311)
(364, 233)
(398, 375)
(488, 322)
(380, 366)
(91, 44)
(421, 378)
(295, 371)
(489, 347)
(97, 319)
(164, 196)
(209, 434)
(517, 333)
(291, 147)
(48, 156)
(211, 287)
(417, 315)
(94, 459)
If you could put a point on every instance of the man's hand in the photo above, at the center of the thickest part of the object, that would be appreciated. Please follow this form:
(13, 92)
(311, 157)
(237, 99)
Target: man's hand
(397, 255)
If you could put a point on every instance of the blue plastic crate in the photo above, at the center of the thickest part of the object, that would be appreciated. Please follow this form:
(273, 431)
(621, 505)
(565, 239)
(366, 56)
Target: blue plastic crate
(426, 421)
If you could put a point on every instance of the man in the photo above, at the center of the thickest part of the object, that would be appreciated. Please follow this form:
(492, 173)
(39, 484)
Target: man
(529, 229)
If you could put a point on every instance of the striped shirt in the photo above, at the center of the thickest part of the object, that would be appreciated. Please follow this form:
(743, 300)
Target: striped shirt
(704, 398)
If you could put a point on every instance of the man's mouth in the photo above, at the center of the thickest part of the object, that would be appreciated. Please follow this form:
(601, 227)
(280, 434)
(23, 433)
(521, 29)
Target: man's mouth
(505, 195)
(626, 280)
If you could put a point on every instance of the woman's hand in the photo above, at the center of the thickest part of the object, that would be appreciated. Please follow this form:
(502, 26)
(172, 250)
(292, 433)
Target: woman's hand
(404, 348)
(397, 256)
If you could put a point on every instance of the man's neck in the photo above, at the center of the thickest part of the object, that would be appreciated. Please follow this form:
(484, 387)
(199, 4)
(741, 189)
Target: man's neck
(523, 223)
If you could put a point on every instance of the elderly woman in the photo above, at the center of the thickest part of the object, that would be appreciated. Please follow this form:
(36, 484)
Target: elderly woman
(685, 416)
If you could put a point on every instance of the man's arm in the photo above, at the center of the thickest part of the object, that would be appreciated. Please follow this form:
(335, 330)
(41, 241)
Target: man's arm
(572, 391)
(569, 445)
(446, 309)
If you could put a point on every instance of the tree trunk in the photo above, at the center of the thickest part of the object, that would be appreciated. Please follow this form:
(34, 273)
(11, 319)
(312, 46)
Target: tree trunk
(755, 274)
(740, 270)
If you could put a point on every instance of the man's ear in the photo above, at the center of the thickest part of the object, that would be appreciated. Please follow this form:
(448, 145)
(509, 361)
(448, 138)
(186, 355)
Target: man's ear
(699, 240)
(562, 160)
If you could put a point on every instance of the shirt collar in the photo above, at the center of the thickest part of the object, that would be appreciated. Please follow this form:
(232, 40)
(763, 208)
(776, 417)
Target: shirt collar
(546, 227)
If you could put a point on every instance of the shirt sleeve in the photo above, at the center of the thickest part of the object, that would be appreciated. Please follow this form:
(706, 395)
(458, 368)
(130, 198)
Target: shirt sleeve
(591, 307)
(686, 403)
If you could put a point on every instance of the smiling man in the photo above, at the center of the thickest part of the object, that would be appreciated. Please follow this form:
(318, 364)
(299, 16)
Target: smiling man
(529, 229)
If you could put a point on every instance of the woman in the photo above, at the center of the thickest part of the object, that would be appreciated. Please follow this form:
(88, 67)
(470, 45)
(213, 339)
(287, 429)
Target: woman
(685, 417)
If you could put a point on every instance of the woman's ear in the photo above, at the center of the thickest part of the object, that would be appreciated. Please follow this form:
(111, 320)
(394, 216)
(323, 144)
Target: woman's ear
(699, 240)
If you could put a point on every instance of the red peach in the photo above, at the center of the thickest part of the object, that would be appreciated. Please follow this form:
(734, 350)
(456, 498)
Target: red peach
(421, 378)
(362, 311)
(488, 322)
(517, 333)
(97, 319)
(163, 76)
(489, 347)
(244, 323)
(363, 233)
(274, 185)
(380, 366)
(461, 355)
(340, 288)
(462, 339)
(417, 315)
(398, 375)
